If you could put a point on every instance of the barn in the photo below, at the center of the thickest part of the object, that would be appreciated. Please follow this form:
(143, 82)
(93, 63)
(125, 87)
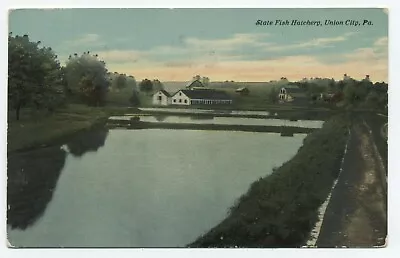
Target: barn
(161, 98)
(201, 97)
(196, 84)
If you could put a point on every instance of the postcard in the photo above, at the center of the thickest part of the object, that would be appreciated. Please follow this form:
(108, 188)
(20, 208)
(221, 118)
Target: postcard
(197, 128)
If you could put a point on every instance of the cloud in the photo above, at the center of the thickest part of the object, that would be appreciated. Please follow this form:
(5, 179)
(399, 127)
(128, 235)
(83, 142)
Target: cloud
(317, 42)
(228, 44)
(192, 51)
(381, 42)
(208, 52)
(121, 56)
(378, 52)
(84, 40)
(230, 59)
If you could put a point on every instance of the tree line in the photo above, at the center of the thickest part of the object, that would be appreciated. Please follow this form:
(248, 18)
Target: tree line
(36, 79)
(351, 92)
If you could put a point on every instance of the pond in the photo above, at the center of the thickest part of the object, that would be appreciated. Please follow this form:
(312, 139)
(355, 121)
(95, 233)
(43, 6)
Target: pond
(135, 188)
(223, 120)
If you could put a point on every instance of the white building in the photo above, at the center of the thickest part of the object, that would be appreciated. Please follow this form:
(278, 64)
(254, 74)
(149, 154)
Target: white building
(161, 98)
(180, 98)
(201, 97)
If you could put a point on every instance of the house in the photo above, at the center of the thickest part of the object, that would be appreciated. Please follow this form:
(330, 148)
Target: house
(201, 97)
(243, 91)
(161, 98)
(294, 95)
(196, 84)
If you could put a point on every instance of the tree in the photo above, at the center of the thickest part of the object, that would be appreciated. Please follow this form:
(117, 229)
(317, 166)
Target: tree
(86, 77)
(34, 75)
(354, 91)
(134, 99)
(146, 86)
(273, 95)
(197, 77)
(205, 81)
(121, 81)
(340, 86)
(157, 85)
(332, 84)
(314, 91)
(131, 82)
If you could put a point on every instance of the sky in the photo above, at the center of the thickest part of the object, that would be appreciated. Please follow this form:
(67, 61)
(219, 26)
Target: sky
(222, 44)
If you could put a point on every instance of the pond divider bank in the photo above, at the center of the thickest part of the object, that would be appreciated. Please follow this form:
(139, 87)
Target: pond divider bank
(284, 130)
(281, 209)
(61, 138)
(291, 114)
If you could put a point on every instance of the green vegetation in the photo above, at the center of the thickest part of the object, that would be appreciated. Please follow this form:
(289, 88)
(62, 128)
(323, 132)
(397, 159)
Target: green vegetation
(40, 128)
(52, 102)
(135, 100)
(280, 210)
(157, 85)
(146, 86)
(204, 80)
(87, 79)
(121, 81)
(34, 76)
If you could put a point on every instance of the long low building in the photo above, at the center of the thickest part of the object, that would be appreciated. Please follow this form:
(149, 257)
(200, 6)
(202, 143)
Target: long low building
(201, 97)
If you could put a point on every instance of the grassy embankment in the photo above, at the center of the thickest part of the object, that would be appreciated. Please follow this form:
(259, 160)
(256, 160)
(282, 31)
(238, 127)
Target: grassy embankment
(281, 209)
(36, 128)
(376, 122)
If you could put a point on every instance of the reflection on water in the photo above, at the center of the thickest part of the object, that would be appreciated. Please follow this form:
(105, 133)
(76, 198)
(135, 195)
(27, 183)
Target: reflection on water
(32, 177)
(144, 188)
(160, 118)
(87, 141)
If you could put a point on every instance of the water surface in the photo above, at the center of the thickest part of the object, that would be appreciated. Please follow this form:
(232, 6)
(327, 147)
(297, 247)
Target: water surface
(137, 188)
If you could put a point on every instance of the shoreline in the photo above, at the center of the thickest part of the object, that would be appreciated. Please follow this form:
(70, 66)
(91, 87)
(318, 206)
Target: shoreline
(65, 123)
(58, 139)
(281, 209)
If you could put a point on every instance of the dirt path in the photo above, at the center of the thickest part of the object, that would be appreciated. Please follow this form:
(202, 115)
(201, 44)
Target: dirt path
(356, 215)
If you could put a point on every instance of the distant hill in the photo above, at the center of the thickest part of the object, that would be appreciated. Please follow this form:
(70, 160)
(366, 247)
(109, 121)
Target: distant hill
(173, 86)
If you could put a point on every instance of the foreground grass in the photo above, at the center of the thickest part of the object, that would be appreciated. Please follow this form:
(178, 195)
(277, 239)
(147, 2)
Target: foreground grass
(281, 209)
(36, 129)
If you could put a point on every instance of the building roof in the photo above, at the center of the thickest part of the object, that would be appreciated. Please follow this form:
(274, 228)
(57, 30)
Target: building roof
(166, 93)
(195, 83)
(207, 94)
(294, 90)
(241, 89)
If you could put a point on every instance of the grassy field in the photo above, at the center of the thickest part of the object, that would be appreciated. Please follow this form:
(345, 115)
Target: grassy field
(35, 128)
(280, 210)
